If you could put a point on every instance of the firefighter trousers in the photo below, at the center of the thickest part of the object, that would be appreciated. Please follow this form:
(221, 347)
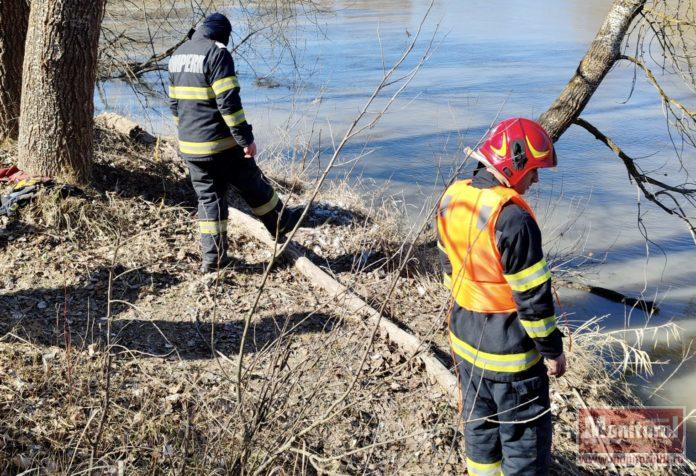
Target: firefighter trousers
(211, 179)
(507, 424)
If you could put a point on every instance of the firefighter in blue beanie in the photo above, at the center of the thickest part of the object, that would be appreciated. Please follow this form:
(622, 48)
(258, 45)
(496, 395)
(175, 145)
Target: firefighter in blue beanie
(216, 141)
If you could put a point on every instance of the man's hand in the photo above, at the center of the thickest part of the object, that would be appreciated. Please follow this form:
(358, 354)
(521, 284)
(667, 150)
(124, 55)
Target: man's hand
(250, 150)
(557, 366)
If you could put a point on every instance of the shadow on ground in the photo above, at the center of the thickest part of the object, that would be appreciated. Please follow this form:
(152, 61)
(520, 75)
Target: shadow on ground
(39, 314)
(15, 230)
(156, 184)
(75, 315)
(191, 339)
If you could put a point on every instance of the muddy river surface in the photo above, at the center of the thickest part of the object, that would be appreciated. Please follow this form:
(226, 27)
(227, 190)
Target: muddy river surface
(489, 58)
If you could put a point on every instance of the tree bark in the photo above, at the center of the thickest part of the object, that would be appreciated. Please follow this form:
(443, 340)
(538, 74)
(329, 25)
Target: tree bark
(14, 17)
(56, 133)
(603, 53)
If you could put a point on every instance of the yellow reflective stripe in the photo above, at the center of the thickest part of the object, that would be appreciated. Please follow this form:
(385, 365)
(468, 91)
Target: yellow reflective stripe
(447, 280)
(225, 84)
(209, 227)
(533, 283)
(484, 469)
(530, 277)
(494, 362)
(234, 119)
(191, 92)
(268, 206)
(176, 120)
(526, 272)
(540, 328)
(205, 148)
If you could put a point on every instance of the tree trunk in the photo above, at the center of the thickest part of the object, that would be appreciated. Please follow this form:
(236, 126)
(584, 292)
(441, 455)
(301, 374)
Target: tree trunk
(603, 53)
(14, 16)
(56, 131)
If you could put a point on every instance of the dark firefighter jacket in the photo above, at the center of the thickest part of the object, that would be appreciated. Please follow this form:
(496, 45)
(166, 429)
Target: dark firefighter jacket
(509, 346)
(204, 98)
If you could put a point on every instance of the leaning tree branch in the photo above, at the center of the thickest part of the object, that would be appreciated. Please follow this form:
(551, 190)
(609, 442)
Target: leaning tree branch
(133, 70)
(642, 180)
(647, 306)
(604, 52)
(601, 57)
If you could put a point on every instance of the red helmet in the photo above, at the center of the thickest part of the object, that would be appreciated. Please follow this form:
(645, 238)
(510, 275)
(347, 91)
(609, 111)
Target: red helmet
(517, 146)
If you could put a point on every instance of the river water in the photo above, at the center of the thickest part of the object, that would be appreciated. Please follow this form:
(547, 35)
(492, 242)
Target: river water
(489, 58)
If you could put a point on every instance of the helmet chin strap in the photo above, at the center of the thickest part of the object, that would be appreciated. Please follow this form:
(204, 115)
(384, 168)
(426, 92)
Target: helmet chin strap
(481, 158)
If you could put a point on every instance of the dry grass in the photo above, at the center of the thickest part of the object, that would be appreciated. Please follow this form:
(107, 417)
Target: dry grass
(117, 357)
(171, 403)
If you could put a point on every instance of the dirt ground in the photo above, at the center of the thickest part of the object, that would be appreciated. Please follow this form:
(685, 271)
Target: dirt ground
(117, 357)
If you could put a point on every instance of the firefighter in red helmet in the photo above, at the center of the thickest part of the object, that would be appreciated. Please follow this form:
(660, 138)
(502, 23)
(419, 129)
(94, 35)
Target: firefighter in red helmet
(503, 326)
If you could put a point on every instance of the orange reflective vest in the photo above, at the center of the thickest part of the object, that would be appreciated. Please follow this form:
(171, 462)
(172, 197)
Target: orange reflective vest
(466, 227)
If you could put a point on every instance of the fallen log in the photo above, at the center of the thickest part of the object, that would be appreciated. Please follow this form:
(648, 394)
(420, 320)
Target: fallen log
(125, 127)
(408, 343)
(649, 307)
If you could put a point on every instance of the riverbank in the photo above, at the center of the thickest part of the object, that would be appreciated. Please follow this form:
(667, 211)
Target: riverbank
(117, 356)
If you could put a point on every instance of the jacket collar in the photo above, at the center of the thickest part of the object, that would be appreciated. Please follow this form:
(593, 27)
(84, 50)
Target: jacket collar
(484, 179)
(205, 32)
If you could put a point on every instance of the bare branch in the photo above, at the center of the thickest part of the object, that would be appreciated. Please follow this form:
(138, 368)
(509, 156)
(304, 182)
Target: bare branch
(651, 77)
(642, 180)
(668, 18)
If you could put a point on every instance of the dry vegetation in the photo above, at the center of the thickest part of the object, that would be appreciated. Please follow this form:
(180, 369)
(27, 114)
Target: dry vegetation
(117, 357)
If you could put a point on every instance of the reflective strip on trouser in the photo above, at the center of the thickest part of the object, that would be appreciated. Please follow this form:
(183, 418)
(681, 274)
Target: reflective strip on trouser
(191, 92)
(483, 469)
(212, 227)
(225, 84)
(206, 148)
(234, 119)
(540, 328)
(213, 233)
(495, 362)
(210, 179)
(506, 421)
(267, 207)
(212, 209)
(176, 120)
(529, 278)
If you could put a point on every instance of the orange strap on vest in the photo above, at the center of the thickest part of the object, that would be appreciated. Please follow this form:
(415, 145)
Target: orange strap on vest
(466, 227)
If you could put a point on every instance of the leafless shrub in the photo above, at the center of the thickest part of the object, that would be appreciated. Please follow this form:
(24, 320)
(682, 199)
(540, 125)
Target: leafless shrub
(129, 51)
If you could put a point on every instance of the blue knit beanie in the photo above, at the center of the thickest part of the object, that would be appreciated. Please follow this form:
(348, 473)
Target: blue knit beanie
(219, 27)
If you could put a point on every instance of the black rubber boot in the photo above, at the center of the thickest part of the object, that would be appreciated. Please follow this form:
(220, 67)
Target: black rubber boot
(212, 267)
(291, 217)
